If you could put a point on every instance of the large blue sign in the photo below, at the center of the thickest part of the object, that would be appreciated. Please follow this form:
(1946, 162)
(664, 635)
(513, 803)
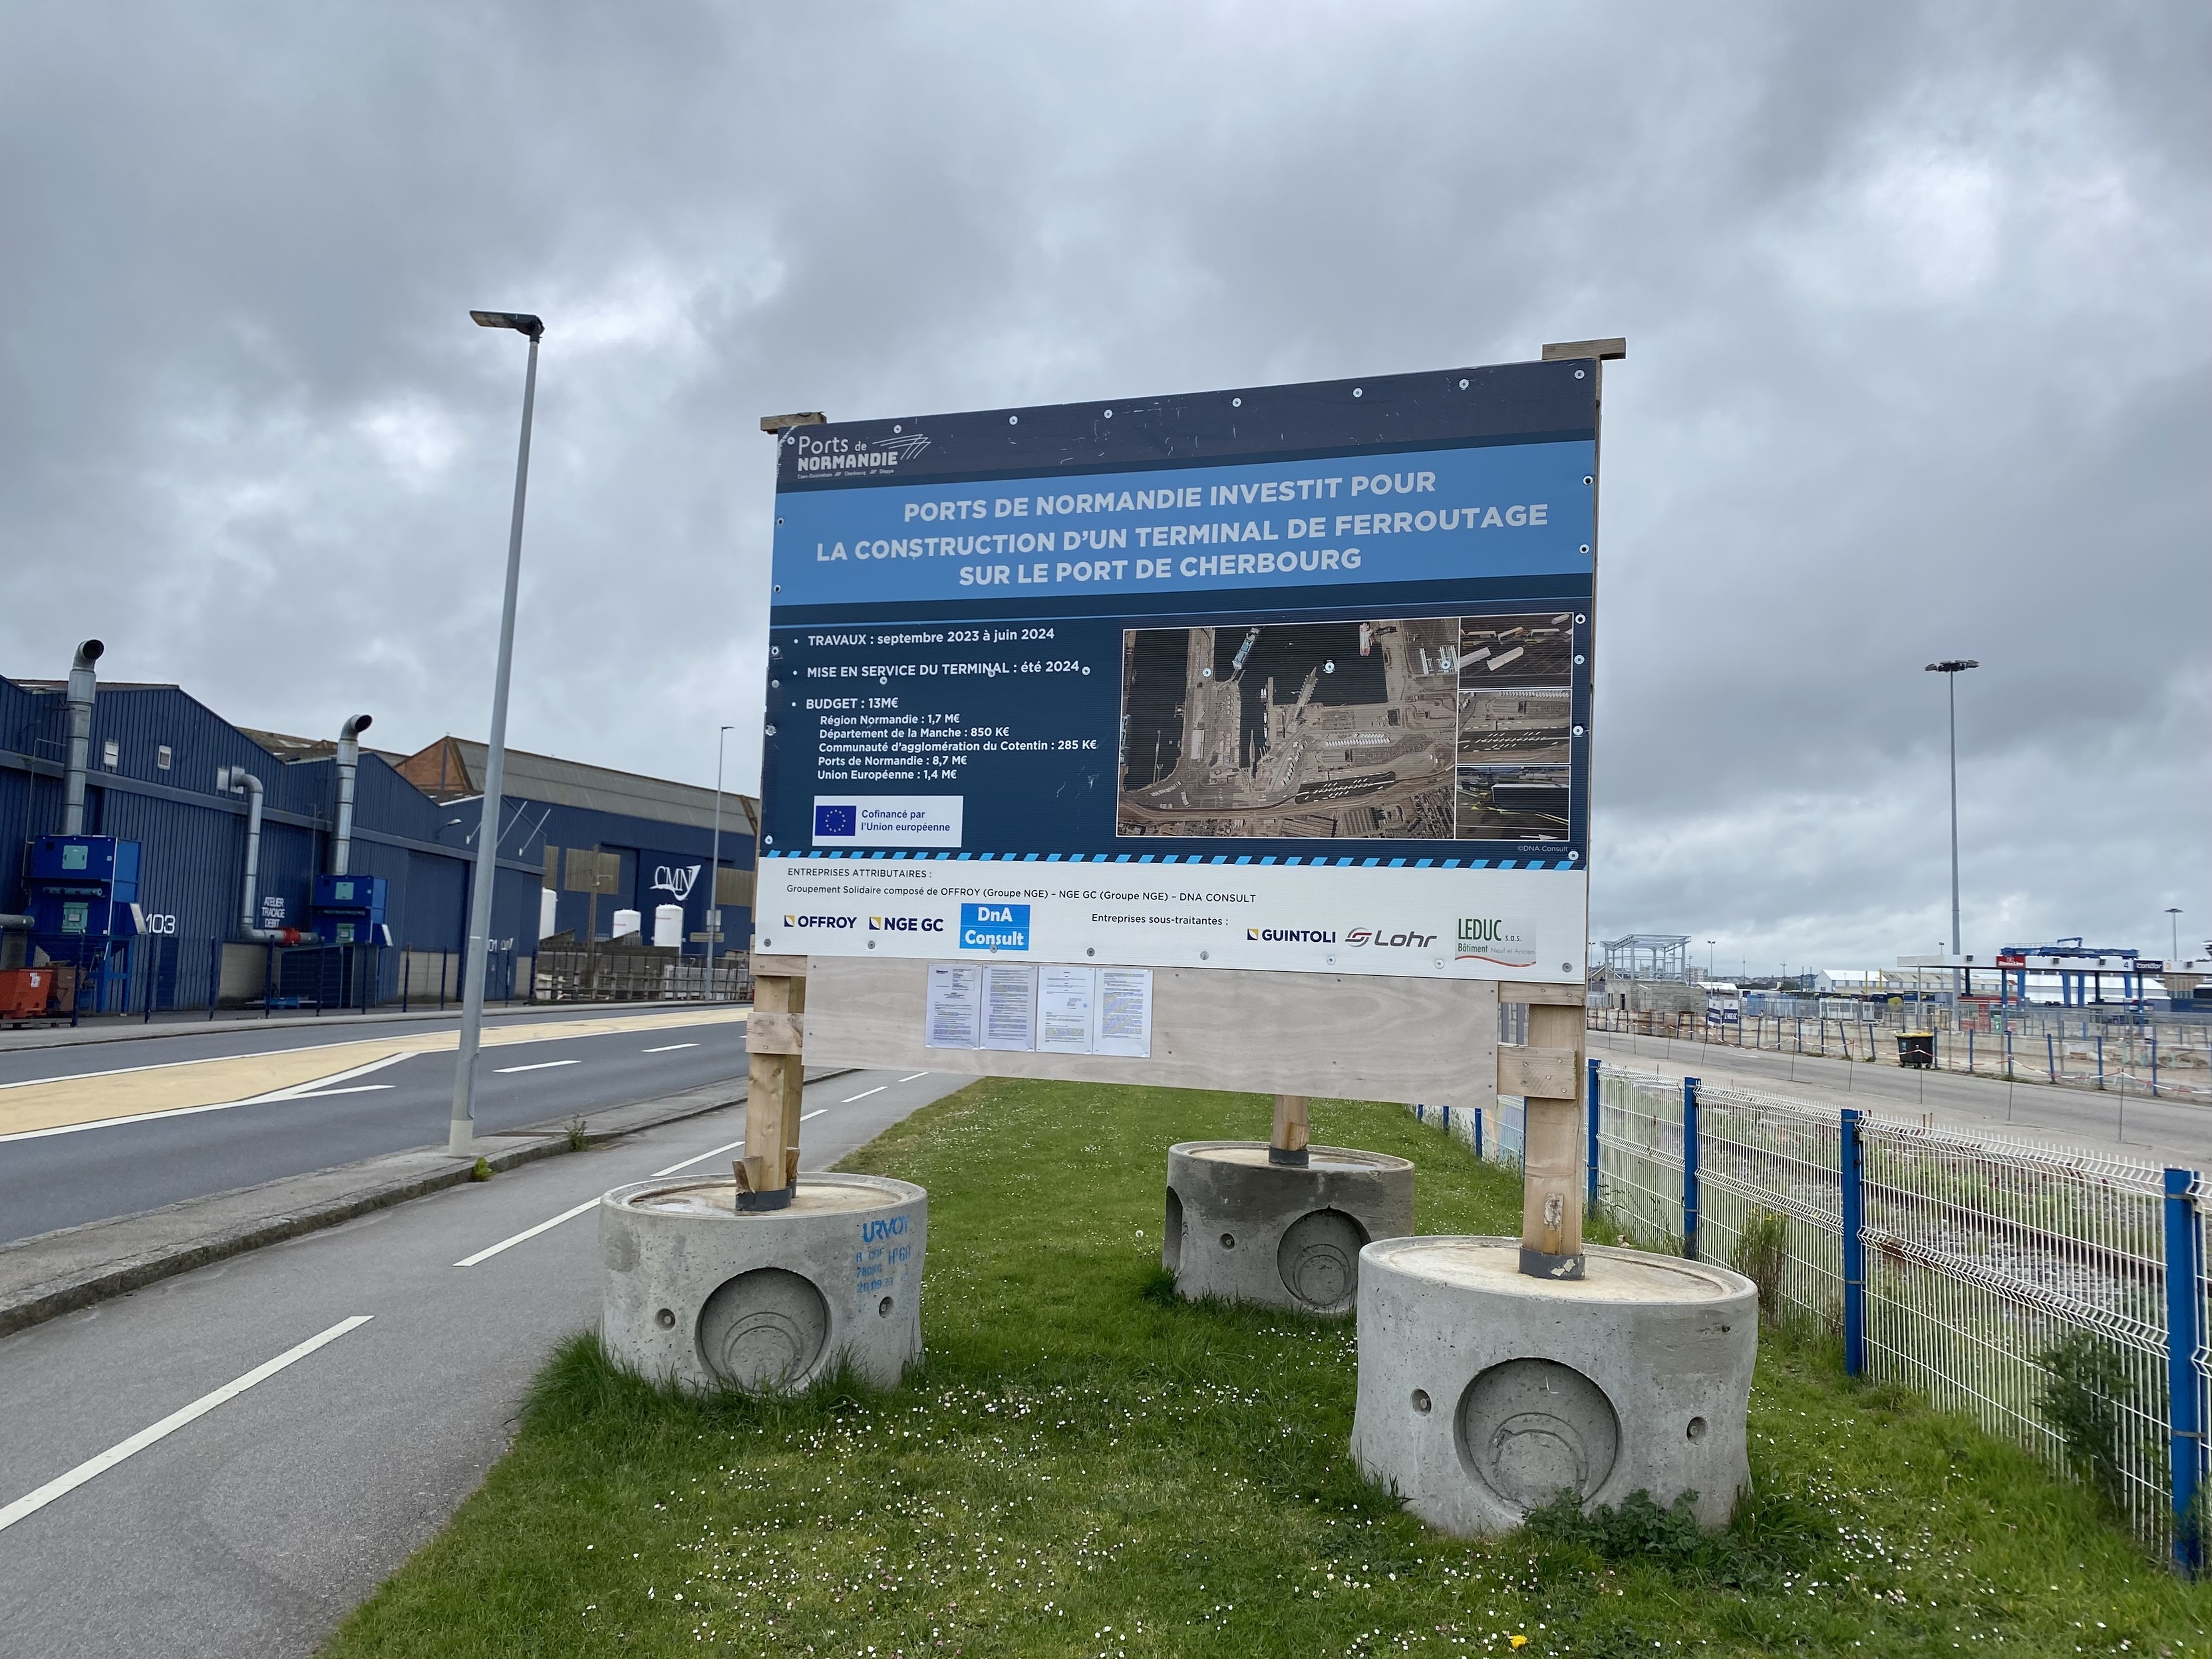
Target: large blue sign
(1261, 634)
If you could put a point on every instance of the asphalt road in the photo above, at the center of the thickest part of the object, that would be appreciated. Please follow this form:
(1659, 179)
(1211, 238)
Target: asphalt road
(2129, 1125)
(253, 1528)
(61, 1180)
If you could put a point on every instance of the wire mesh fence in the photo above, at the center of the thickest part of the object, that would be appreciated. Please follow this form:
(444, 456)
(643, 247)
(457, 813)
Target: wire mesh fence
(2057, 1298)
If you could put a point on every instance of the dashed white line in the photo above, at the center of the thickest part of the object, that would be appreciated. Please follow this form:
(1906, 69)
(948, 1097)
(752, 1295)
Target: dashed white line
(668, 1048)
(864, 1094)
(543, 1065)
(808, 1117)
(32, 1502)
(352, 1089)
(527, 1233)
(916, 1075)
(701, 1158)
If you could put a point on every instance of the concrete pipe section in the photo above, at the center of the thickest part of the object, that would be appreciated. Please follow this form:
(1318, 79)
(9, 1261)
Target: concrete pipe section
(1246, 1230)
(1484, 1392)
(700, 1294)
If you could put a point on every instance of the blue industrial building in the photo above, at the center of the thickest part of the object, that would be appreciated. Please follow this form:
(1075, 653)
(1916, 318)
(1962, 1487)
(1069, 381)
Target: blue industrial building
(91, 770)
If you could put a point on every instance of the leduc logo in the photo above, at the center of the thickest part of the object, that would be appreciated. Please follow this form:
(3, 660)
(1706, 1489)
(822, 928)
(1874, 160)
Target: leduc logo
(995, 927)
(837, 924)
(1291, 935)
(1375, 936)
(1487, 938)
(905, 925)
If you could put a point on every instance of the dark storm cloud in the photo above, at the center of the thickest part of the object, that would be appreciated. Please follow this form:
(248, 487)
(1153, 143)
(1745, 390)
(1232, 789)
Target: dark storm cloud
(1911, 296)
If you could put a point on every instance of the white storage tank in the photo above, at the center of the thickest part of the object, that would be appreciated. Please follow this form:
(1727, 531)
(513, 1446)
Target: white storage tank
(668, 925)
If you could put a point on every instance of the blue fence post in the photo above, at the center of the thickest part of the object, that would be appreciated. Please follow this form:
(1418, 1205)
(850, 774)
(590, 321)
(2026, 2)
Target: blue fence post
(1478, 1135)
(1690, 1168)
(1854, 1211)
(1591, 1202)
(2184, 1336)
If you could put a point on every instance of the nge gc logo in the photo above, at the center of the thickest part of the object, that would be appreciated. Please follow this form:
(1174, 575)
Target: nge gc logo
(995, 927)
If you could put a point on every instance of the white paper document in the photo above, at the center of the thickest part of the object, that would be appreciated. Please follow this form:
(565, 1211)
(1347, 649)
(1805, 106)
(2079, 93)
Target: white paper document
(955, 991)
(1067, 999)
(1124, 1012)
(1009, 996)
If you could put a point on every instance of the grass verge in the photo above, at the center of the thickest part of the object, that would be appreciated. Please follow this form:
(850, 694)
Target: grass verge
(1086, 1465)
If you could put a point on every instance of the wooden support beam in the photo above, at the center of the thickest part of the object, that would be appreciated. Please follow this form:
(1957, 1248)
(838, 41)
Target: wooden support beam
(774, 1039)
(1552, 1145)
(1288, 1143)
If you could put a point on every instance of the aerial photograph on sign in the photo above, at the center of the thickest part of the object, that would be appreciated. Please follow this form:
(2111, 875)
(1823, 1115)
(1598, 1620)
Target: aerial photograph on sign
(1311, 729)
(1515, 719)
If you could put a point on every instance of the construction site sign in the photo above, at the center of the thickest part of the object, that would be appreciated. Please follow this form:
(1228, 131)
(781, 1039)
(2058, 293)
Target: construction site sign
(1293, 678)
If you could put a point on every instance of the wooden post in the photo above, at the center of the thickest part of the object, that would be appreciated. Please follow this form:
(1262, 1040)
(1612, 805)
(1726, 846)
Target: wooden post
(1547, 1074)
(774, 1044)
(1288, 1144)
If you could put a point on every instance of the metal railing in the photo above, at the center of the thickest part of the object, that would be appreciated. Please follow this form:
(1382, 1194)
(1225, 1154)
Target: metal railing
(1977, 1271)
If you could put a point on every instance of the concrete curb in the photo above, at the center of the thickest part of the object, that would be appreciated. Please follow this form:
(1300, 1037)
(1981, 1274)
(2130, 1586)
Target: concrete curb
(49, 1274)
(67, 1037)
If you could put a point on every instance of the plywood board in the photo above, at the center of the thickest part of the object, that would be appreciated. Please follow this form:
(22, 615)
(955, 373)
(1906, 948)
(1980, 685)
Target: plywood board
(1354, 1036)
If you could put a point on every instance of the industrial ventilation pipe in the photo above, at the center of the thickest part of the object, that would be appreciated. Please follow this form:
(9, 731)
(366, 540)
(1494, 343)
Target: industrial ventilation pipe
(83, 686)
(230, 780)
(348, 764)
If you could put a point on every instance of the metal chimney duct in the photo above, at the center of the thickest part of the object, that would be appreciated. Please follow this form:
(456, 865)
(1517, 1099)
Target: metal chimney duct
(348, 764)
(83, 686)
(230, 781)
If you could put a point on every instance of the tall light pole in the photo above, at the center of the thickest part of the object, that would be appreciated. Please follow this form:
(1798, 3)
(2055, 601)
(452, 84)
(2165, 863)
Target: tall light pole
(1950, 669)
(1708, 956)
(714, 865)
(2173, 920)
(461, 1132)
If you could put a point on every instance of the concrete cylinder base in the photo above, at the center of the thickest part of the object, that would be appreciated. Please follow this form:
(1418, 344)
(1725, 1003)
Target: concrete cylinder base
(1246, 1230)
(1483, 1392)
(704, 1295)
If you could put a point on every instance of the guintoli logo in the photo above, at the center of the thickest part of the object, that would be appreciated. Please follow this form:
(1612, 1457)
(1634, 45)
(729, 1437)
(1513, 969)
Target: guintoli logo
(868, 456)
(1487, 938)
(1291, 935)
(677, 879)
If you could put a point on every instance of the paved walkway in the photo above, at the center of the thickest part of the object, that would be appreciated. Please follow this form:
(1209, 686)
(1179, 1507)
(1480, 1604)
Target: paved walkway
(2129, 1125)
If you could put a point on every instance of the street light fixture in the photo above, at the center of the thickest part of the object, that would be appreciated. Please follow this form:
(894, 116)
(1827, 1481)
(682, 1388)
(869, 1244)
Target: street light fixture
(461, 1132)
(1950, 669)
(2173, 920)
(714, 867)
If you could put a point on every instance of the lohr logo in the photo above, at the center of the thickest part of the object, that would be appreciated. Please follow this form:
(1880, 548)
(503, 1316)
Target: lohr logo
(834, 924)
(677, 879)
(836, 821)
(1487, 938)
(1360, 936)
(995, 927)
(905, 925)
(1291, 935)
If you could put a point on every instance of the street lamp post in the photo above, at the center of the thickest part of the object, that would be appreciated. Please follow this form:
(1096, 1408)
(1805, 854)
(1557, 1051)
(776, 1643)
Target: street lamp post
(2173, 920)
(461, 1132)
(714, 867)
(1950, 669)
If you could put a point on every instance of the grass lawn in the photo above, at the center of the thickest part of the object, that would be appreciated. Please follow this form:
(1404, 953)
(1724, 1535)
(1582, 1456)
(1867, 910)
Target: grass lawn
(1086, 1465)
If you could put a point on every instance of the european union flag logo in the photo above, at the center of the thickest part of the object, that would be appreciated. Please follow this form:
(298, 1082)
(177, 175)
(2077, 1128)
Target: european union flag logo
(830, 821)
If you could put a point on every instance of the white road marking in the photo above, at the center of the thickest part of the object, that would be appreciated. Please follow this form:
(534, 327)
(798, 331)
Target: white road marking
(668, 1048)
(527, 1233)
(808, 1117)
(32, 1502)
(910, 1079)
(297, 1091)
(864, 1094)
(352, 1089)
(540, 1066)
(701, 1158)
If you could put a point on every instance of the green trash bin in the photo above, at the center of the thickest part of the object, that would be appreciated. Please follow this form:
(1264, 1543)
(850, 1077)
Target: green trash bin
(1916, 1050)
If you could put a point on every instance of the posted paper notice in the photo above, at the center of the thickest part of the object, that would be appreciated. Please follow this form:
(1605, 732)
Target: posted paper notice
(955, 991)
(1066, 1003)
(1009, 1007)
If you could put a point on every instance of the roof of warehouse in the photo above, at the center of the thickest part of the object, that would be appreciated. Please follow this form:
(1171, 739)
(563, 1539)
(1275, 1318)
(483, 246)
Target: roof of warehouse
(284, 746)
(452, 768)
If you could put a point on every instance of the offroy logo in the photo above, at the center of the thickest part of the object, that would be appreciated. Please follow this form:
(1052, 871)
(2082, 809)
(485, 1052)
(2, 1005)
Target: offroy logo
(834, 924)
(1290, 935)
(677, 879)
(1487, 938)
(865, 457)
(836, 821)
(1376, 936)
(995, 927)
(905, 925)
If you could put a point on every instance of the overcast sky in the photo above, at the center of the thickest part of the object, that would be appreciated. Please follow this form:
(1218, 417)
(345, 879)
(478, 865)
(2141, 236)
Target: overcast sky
(1915, 298)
